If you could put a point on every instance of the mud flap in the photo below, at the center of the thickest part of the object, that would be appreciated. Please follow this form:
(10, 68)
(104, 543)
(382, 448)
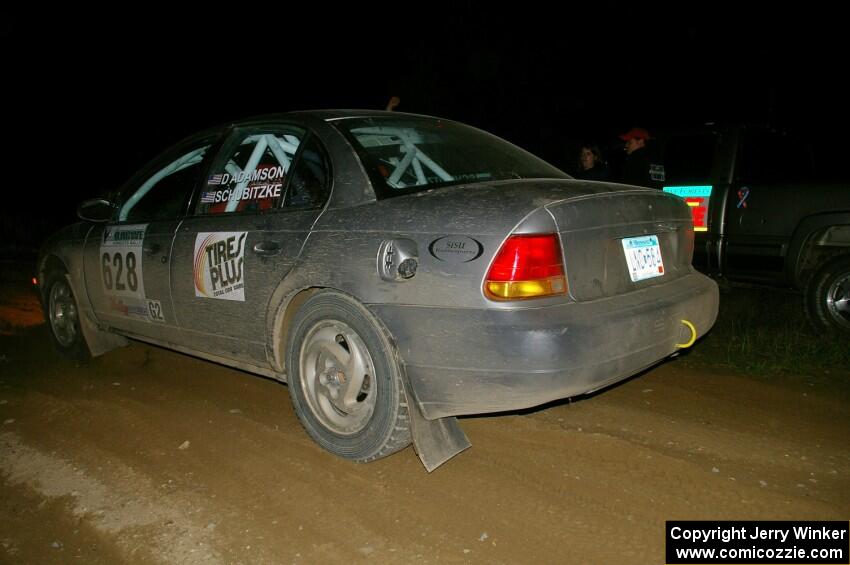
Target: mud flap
(435, 441)
(99, 341)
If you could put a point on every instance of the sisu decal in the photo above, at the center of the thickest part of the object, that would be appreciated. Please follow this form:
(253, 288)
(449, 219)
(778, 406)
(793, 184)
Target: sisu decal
(218, 265)
(456, 249)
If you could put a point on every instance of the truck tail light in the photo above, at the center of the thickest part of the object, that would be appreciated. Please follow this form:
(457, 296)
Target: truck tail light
(527, 266)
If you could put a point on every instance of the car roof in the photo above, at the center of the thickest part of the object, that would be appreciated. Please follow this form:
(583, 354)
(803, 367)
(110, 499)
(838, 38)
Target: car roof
(329, 115)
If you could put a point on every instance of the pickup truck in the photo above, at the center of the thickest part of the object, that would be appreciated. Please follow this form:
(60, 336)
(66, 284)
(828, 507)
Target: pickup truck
(762, 216)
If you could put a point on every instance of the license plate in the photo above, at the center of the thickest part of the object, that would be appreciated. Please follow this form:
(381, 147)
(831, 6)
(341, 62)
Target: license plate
(643, 255)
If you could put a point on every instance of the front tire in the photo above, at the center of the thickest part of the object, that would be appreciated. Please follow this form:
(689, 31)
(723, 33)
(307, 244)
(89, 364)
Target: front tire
(63, 317)
(828, 297)
(345, 379)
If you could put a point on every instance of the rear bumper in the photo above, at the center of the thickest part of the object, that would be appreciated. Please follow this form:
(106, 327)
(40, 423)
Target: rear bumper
(470, 361)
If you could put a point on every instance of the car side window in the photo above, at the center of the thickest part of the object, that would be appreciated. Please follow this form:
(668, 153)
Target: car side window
(250, 173)
(164, 194)
(309, 183)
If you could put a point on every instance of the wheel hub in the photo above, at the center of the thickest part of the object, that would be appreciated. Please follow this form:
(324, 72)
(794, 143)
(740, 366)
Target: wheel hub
(838, 300)
(335, 374)
(63, 314)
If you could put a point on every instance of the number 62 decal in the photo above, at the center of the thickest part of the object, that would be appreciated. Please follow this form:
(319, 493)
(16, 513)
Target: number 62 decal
(155, 311)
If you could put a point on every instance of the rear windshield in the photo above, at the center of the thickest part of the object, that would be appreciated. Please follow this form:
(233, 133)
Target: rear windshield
(404, 154)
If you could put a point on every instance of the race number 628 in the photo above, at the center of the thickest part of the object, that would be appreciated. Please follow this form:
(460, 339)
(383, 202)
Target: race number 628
(124, 277)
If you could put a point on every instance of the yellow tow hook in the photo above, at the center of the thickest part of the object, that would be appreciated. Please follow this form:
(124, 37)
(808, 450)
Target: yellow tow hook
(691, 341)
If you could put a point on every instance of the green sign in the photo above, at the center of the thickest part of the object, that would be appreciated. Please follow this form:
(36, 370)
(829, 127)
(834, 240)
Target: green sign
(689, 191)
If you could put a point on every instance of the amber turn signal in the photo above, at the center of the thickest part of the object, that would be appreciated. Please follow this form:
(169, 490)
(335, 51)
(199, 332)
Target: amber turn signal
(527, 266)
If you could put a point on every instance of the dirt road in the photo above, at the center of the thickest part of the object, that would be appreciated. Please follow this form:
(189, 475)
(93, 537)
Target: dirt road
(144, 455)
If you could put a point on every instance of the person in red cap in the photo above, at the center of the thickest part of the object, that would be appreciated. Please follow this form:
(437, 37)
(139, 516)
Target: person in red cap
(639, 168)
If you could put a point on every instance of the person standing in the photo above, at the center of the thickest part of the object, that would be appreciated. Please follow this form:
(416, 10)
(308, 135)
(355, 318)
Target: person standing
(640, 168)
(591, 166)
(393, 103)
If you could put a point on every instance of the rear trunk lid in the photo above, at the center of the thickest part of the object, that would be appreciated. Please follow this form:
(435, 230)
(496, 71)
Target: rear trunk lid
(593, 228)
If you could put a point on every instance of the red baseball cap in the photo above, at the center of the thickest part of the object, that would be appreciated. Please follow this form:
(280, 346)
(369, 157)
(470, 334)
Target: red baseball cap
(635, 133)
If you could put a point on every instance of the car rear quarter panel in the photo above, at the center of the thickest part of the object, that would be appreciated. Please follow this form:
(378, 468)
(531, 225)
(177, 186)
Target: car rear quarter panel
(341, 251)
(467, 354)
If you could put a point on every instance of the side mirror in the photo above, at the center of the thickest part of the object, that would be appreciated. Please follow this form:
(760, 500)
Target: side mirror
(97, 210)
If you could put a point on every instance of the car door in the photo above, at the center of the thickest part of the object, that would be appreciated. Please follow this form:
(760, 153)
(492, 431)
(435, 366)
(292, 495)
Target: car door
(251, 217)
(764, 204)
(126, 260)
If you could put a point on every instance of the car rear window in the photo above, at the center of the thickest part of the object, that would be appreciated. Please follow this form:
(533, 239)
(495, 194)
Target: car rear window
(404, 155)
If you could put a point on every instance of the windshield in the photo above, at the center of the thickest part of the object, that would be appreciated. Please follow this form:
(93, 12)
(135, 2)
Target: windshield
(407, 154)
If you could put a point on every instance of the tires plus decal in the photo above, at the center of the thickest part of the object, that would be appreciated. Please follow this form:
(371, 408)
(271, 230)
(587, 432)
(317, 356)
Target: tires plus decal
(121, 261)
(218, 265)
(456, 249)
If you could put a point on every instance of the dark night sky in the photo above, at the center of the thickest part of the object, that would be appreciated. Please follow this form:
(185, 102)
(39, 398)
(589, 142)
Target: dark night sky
(92, 97)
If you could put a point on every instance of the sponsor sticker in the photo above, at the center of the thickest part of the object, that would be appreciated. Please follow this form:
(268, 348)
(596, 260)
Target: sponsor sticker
(260, 174)
(154, 311)
(743, 194)
(258, 192)
(131, 309)
(456, 249)
(121, 260)
(218, 270)
(255, 189)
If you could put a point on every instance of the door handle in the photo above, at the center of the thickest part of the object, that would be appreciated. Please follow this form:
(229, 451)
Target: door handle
(151, 248)
(267, 248)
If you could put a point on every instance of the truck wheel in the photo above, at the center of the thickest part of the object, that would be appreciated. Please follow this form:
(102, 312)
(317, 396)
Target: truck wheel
(344, 379)
(63, 317)
(828, 297)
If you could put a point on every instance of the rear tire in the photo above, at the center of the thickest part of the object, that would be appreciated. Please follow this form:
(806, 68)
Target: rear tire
(345, 379)
(827, 297)
(63, 317)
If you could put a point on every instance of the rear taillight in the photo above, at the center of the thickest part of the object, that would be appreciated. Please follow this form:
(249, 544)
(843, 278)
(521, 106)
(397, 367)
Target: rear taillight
(527, 266)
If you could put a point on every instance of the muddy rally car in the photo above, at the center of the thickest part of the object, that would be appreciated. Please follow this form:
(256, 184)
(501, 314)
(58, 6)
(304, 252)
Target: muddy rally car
(396, 271)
